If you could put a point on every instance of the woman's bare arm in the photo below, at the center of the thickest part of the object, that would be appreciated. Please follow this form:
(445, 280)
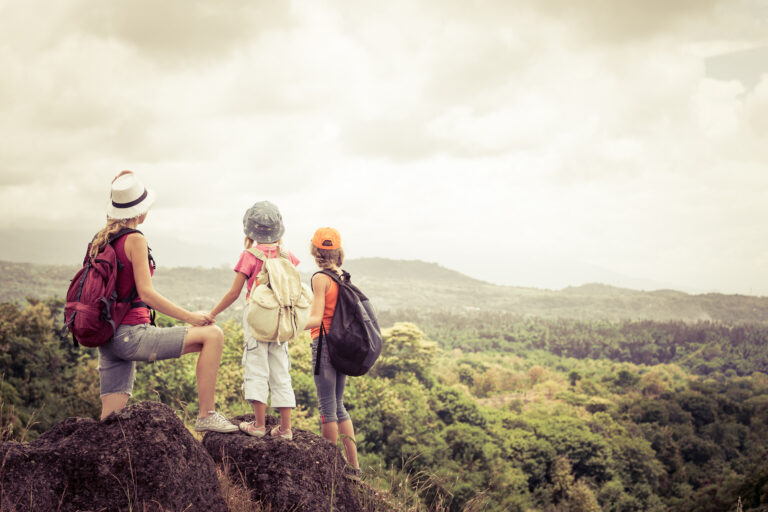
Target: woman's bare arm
(137, 253)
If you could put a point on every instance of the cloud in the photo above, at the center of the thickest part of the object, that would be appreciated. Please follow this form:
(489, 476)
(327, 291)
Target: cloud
(628, 21)
(745, 65)
(181, 32)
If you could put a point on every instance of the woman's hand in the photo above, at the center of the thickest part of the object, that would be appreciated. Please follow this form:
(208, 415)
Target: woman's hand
(200, 318)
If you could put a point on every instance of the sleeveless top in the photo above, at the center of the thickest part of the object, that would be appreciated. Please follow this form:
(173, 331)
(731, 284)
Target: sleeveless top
(126, 284)
(331, 294)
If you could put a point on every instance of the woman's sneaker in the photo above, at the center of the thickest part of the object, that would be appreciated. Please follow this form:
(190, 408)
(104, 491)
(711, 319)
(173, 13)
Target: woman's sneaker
(250, 428)
(275, 432)
(215, 422)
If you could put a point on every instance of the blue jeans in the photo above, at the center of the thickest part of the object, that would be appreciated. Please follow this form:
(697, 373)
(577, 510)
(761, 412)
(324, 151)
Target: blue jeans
(330, 388)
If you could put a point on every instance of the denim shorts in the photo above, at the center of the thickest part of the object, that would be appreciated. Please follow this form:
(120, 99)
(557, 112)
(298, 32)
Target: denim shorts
(132, 343)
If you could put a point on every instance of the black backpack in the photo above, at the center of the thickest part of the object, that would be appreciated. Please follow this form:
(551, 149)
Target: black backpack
(354, 338)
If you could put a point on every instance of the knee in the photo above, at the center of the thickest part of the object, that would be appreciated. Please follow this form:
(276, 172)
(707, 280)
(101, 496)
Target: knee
(215, 334)
(213, 337)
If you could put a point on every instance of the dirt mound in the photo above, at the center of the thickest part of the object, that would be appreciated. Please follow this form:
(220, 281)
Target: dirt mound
(142, 458)
(303, 474)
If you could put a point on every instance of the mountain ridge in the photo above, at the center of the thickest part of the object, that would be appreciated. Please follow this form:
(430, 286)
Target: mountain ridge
(395, 285)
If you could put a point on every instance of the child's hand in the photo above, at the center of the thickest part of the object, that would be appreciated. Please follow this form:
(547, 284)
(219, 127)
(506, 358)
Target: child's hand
(200, 318)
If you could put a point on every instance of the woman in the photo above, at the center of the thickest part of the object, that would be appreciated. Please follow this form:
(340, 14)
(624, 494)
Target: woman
(135, 339)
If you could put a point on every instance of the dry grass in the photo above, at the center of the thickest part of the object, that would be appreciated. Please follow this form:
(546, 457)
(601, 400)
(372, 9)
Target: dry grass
(236, 495)
(401, 490)
(389, 490)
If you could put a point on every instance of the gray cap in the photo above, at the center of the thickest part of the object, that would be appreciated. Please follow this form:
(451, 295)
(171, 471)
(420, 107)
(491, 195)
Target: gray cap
(263, 223)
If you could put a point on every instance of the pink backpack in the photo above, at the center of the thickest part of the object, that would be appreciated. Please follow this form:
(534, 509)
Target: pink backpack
(93, 310)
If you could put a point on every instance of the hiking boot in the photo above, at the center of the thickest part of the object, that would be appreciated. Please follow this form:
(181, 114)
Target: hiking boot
(351, 473)
(275, 432)
(214, 422)
(250, 428)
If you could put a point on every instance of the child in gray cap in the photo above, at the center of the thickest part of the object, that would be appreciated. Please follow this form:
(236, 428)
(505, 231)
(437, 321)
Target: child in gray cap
(265, 363)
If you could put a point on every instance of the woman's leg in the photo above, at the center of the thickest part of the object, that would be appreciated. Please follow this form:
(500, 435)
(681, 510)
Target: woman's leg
(209, 341)
(113, 402)
(116, 376)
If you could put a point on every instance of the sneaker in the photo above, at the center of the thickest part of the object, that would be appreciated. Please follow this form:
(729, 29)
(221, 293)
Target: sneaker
(275, 432)
(214, 422)
(250, 428)
(351, 473)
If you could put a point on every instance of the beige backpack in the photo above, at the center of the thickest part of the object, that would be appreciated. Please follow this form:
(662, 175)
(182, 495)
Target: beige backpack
(279, 306)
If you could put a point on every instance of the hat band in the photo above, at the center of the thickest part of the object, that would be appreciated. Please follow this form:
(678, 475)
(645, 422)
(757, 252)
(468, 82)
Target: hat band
(132, 203)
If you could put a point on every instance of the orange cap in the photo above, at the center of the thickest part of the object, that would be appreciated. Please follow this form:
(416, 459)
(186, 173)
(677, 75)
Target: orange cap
(326, 238)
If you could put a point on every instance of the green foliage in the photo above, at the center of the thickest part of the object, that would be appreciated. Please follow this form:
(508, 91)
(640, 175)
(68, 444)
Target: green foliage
(39, 369)
(562, 415)
(405, 351)
(702, 347)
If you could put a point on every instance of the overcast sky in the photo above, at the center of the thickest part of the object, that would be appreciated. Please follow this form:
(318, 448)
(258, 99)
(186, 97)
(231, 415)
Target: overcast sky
(532, 143)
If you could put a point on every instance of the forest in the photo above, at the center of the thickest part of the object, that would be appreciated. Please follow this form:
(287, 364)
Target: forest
(481, 411)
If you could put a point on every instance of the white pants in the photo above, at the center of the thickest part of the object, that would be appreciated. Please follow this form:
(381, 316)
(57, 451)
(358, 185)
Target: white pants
(266, 367)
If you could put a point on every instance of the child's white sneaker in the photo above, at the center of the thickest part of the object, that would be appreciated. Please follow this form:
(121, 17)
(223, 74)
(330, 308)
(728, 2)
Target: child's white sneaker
(250, 428)
(275, 432)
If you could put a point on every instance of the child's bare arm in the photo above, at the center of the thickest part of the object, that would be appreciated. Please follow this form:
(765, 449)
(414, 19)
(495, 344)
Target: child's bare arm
(232, 295)
(320, 283)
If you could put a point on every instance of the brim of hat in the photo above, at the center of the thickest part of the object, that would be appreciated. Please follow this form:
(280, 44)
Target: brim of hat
(326, 248)
(133, 211)
(270, 238)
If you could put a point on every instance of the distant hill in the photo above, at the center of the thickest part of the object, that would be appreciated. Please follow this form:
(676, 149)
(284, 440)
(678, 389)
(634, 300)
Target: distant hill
(415, 285)
(383, 268)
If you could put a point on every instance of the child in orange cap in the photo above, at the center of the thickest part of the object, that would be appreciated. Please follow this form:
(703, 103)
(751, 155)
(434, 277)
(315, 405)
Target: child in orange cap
(328, 254)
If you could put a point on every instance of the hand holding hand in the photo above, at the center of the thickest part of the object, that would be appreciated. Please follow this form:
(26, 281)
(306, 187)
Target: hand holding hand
(199, 319)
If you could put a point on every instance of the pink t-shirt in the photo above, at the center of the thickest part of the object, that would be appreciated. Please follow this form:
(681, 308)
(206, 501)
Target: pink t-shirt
(250, 265)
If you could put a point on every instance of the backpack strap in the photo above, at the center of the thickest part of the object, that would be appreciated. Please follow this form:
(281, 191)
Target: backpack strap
(338, 280)
(343, 278)
(258, 253)
(263, 257)
(319, 346)
(125, 231)
(134, 293)
(332, 275)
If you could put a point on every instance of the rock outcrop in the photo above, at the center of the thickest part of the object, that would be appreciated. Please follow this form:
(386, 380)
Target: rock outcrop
(142, 458)
(304, 474)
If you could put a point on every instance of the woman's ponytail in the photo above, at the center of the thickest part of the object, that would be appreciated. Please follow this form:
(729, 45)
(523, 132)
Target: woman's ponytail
(101, 238)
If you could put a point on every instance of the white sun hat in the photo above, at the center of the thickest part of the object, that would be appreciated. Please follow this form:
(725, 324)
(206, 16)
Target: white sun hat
(129, 197)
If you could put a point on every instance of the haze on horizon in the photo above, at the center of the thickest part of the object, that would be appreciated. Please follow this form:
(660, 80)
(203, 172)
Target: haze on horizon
(540, 144)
